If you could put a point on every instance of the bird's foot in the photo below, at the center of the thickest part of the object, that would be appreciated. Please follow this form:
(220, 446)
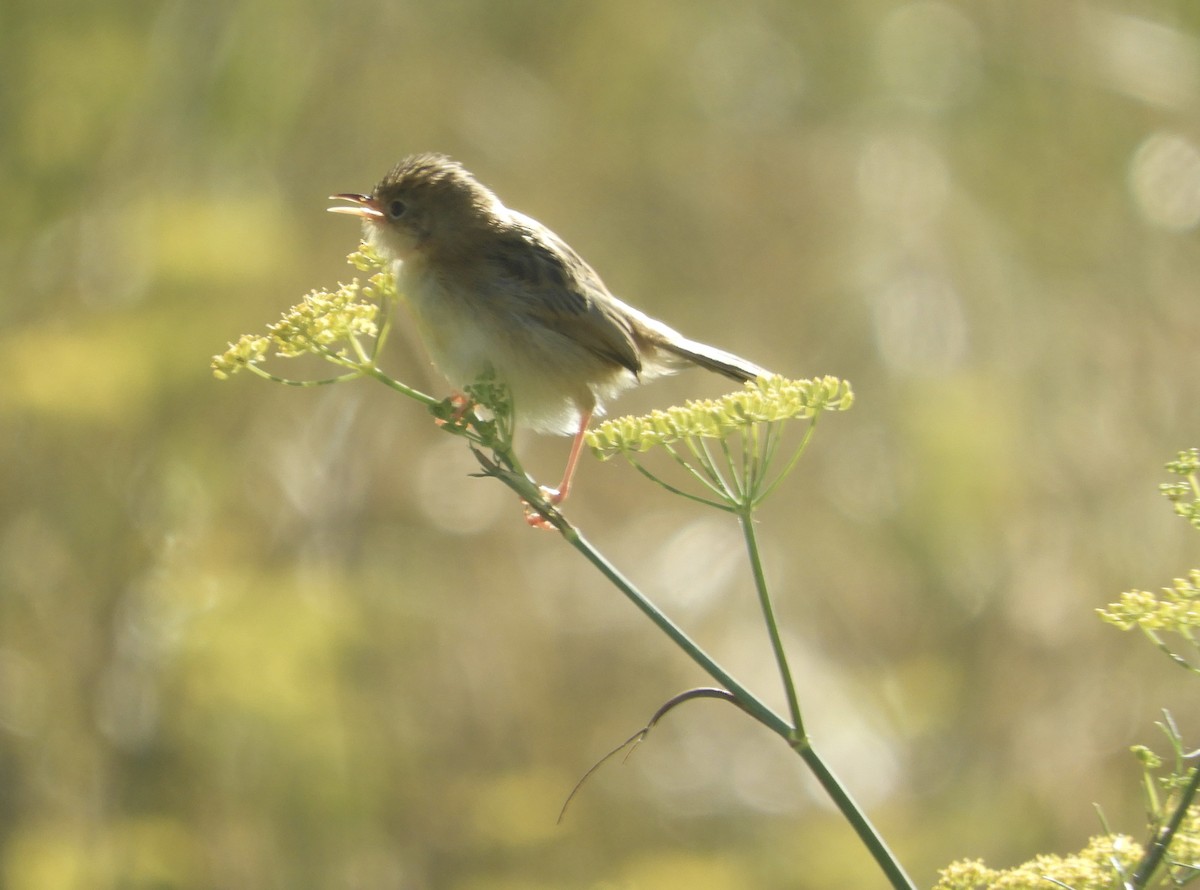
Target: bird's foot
(462, 407)
(534, 518)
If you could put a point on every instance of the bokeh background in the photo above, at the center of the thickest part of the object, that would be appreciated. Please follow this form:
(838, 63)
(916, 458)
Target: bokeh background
(253, 636)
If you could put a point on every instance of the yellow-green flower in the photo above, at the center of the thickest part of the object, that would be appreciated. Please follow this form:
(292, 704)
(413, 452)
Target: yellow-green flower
(765, 400)
(1176, 609)
(1093, 868)
(250, 349)
(324, 323)
(727, 445)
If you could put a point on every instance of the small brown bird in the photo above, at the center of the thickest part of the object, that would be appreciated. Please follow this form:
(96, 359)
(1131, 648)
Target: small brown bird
(494, 290)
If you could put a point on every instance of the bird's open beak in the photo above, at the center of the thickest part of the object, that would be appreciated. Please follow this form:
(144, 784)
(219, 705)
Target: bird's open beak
(365, 206)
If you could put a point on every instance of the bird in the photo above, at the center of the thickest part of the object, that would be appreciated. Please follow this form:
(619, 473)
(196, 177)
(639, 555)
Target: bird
(494, 291)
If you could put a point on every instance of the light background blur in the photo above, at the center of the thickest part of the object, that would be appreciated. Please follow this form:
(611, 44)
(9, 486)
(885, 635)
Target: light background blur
(260, 637)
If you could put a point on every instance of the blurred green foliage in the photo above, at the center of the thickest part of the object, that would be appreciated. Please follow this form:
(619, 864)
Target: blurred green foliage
(255, 637)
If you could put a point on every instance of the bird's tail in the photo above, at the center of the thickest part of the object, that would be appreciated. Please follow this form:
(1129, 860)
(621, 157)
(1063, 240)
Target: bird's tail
(713, 359)
(674, 350)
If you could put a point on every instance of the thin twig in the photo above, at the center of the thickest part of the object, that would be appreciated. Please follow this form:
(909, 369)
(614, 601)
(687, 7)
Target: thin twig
(636, 739)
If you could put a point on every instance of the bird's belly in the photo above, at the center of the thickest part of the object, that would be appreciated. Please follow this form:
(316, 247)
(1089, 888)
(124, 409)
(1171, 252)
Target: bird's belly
(452, 329)
(465, 339)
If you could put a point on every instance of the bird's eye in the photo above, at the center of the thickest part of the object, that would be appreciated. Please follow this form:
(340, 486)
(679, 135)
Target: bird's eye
(395, 209)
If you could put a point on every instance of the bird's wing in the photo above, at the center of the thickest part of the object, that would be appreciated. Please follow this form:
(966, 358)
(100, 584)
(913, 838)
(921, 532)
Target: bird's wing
(552, 287)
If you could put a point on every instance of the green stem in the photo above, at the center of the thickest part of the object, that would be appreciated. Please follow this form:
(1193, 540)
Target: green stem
(699, 449)
(720, 505)
(741, 481)
(773, 436)
(301, 384)
(747, 699)
(882, 854)
(371, 370)
(711, 484)
(385, 327)
(761, 495)
(798, 741)
(1162, 842)
(746, 517)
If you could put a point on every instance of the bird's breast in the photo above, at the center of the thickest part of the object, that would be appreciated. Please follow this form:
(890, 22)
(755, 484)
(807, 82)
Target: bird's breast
(452, 321)
(470, 328)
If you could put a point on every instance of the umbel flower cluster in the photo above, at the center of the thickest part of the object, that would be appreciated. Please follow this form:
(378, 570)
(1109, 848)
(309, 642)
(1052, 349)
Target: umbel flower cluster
(1185, 494)
(325, 323)
(1090, 868)
(1175, 610)
(765, 400)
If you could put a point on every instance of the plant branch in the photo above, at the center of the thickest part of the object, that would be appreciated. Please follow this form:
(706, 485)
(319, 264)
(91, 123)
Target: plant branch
(742, 696)
(764, 598)
(854, 814)
(1162, 841)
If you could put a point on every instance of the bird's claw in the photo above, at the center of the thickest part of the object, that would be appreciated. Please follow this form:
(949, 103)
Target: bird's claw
(534, 518)
(462, 407)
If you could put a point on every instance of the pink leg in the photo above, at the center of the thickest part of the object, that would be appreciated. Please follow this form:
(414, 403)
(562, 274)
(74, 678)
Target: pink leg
(558, 495)
(564, 487)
